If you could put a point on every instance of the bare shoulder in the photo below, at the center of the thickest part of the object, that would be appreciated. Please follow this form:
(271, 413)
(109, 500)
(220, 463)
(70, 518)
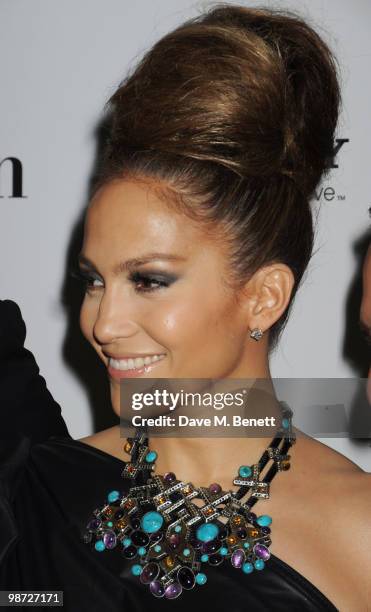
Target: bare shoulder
(343, 492)
(330, 514)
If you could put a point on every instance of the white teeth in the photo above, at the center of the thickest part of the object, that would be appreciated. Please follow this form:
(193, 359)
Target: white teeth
(130, 364)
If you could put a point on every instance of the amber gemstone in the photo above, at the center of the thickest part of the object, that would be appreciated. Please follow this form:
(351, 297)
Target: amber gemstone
(253, 533)
(129, 504)
(208, 511)
(121, 523)
(169, 561)
(127, 447)
(109, 512)
(237, 520)
(162, 500)
(232, 539)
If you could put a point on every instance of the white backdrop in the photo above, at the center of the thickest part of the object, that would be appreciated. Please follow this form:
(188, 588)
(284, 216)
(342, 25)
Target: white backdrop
(60, 61)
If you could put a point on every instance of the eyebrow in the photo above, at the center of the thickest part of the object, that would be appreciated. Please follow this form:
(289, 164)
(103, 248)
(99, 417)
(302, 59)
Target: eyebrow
(129, 264)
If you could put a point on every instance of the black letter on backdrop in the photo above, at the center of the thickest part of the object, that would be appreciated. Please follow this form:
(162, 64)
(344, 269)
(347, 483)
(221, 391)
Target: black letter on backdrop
(16, 177)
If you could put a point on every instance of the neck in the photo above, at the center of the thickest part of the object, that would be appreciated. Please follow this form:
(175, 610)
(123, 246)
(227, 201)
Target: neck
(206, 458)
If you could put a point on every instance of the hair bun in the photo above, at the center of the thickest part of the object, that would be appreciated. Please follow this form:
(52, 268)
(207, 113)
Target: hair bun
(253, 90)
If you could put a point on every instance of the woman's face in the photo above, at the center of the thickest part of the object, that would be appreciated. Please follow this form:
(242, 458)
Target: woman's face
(173, 304)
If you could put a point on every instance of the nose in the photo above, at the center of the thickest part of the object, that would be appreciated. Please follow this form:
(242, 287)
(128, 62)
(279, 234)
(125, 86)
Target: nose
(115, 318)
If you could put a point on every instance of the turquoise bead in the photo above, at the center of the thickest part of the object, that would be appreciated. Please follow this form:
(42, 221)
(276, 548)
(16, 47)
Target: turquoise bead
(223, 551)
(151, 456)
(109, 524)
(204, 558)
(113, 496)
(142, 551)
(245, 471)
(285, 423)
(246, 545)
(207, 532)
(158, 548)
(201, 578)
(178, 529)
(259, 564)
(247, 568)
(151, 521)
(264, 520)
(99, 545)
(126, 542)
(186, 552)
(136, 570)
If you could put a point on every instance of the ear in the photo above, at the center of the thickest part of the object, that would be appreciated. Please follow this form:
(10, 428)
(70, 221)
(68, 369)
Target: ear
(267, 295)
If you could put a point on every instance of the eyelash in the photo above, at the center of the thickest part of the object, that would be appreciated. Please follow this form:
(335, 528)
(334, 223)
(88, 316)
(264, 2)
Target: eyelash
(134, 277)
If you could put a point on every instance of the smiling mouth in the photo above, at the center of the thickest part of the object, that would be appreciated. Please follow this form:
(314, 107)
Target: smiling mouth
(125, 368)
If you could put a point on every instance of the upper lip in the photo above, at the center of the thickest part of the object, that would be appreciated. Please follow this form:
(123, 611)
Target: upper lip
(130, 355)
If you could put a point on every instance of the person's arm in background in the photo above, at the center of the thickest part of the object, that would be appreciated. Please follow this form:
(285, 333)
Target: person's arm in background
(26, 405)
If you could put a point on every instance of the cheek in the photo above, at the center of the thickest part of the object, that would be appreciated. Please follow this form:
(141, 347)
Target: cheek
(87, 319)
(190, 320)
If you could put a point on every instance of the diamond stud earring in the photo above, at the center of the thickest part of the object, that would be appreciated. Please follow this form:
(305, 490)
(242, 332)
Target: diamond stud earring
(256, 333)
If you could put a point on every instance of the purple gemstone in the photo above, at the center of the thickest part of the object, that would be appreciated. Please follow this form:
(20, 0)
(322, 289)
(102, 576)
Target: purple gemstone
(94, 524)
(215, 488)
(242, 533)
(173, 590)
(157, 588)
(186, 577)
(262, 551)
(174, 540)
(139, 538)
(169, 477)
(135, 523)
(109, 539)
(156, 536)
(238, 558)
(265, 530)
(210, 547)
(149, 573)
(129, 552)
(251, 517)
(216, 559)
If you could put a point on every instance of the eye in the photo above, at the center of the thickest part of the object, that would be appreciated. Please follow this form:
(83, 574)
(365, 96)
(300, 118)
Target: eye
(87, 281)
(148, 282)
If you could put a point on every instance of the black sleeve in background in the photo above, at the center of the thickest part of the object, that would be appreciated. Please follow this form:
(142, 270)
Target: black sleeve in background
(26, 405)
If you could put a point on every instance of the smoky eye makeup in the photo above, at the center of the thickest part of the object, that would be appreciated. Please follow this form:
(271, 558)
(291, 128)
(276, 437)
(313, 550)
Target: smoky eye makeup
(143, 281)
(85, 278)
(151, 281)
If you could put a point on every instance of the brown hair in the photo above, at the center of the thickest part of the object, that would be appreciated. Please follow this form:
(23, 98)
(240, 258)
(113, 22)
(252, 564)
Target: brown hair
(234, 114)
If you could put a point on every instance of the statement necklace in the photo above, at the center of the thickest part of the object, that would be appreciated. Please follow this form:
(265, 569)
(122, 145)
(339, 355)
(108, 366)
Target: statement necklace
(169, 537)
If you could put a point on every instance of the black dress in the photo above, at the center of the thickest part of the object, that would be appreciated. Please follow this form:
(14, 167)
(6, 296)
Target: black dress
(49, 486)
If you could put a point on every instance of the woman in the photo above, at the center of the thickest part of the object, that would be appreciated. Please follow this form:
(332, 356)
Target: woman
(196, 238)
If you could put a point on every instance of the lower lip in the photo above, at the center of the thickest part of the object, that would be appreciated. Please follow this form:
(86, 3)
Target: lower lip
(133, 373)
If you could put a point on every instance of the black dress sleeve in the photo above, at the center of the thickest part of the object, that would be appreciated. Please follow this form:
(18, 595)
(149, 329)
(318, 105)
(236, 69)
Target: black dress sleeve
(28, 415)
(26, 405)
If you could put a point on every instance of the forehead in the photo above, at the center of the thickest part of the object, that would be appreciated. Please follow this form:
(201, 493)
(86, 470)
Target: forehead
(130, 216)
